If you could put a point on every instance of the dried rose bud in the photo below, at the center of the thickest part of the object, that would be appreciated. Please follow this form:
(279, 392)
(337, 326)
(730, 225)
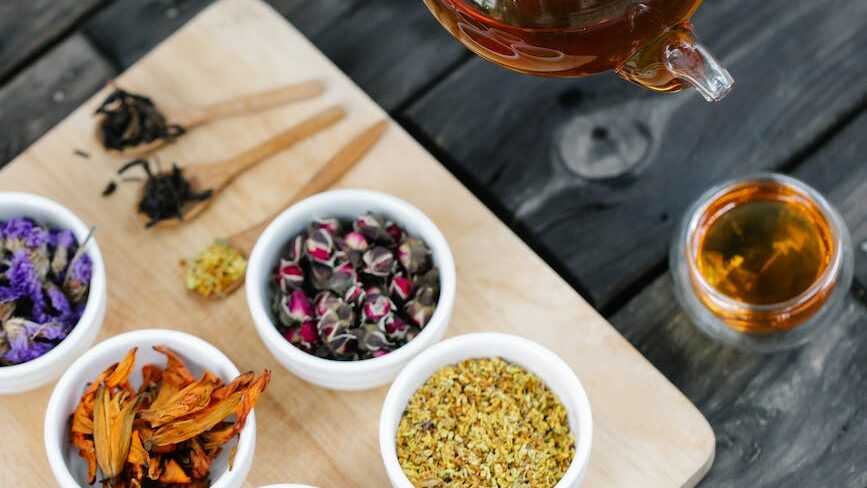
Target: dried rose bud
(378, 261)
(343, 278)
(372, 227)
(376, 306)
(371, 338)
(394, 231)
(290, 276)
(297, 306)
(326, 301)
(421, 308)
(356, 294)
(294, 250)
(400, 287)
(292, 335)
(395, 328)
(339, 342)
(331, 225)
(355, 241)
(413, 254)
(430, 279)
(320, 275)
(308, 334)
(320, 246)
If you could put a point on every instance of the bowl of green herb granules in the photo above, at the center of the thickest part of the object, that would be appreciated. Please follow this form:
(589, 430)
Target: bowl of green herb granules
(486, 409)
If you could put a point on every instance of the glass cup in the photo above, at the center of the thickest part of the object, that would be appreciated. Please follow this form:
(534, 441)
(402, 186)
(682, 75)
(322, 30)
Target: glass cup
(766, 327)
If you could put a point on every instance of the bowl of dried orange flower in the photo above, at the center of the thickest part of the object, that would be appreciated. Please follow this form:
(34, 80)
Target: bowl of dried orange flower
(156, 408)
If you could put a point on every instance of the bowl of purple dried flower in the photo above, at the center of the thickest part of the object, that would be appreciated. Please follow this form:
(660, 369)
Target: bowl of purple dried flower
(347, 286)
(52, 290)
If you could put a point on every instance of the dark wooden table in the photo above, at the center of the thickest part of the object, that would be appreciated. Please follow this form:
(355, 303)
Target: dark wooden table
(525, 146)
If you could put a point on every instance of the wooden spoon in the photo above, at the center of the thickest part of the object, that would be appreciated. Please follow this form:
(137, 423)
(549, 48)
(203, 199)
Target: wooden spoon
(216, 176)
(190, 117)
(329, 174)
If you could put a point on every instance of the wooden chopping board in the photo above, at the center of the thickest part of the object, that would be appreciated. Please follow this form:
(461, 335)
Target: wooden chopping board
(647, 434)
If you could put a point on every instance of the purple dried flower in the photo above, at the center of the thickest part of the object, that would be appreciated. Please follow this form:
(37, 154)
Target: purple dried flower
(320, 246)
(413, 254)
(22, 275)
(378, 261)
(62, 241)
(22, 335)
(78, 277)
(9, 294)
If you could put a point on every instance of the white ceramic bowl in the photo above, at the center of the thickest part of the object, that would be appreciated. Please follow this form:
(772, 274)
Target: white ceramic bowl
(533, 357)
(69, 469)
(287, 485)
(345, 375)
(38, 372)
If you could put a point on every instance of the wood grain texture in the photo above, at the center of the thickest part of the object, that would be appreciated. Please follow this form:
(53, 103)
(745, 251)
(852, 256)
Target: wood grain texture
(47, 91)
(28, 27)
(646, 434)
(791, 419)
(530, 143)
(350, 32)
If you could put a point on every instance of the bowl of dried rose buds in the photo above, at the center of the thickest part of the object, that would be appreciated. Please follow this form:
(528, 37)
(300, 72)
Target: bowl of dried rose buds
(347, 286)
(153, 407)
(486, 409)
(52, 290)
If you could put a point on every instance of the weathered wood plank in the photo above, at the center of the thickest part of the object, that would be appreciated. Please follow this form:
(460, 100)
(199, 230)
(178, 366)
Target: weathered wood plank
(127, 29)
(528, 141)
(391, 48)
(45, 92)
(792, 419)
(389, 67)
(26, 27)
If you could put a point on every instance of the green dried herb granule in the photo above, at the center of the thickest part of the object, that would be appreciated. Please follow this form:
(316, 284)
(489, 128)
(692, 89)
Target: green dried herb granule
(484, 423)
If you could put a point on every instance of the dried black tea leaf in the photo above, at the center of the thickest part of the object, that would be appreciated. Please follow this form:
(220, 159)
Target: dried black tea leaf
(128, 119)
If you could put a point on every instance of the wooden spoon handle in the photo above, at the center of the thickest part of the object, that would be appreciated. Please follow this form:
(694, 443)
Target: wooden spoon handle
(194, 116)
(233, 167)
(329, 174)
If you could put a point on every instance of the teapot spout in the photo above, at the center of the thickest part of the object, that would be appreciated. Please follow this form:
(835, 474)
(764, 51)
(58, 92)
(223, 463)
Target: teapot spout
(674, 61)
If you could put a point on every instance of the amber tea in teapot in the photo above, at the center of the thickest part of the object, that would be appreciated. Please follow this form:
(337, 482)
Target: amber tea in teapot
(649, 42)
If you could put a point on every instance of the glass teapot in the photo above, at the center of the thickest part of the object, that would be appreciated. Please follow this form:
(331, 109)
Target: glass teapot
(648, 42)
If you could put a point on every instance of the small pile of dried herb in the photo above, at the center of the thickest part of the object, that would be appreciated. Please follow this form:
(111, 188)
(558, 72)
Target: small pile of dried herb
(217, 271)
(484, 422)
(127, 120)
(351, 290)
(44, 284)
(165, 194)
(165, 433)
